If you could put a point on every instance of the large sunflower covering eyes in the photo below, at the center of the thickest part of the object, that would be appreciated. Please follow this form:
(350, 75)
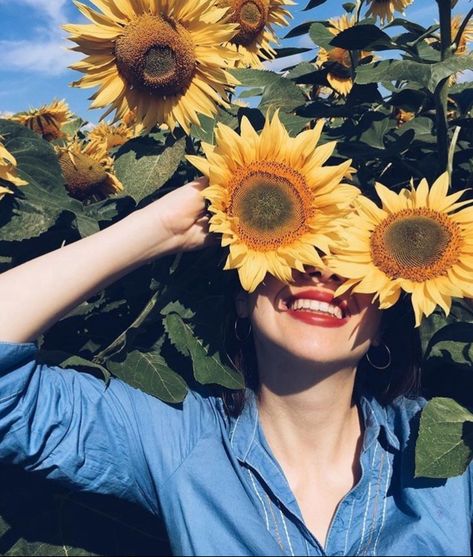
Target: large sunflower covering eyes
(420, 242)
(163, 59)
(384, 9)
(255, 19)
(273, 199)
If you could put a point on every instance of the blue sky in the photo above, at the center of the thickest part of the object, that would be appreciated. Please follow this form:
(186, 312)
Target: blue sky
(35, 56)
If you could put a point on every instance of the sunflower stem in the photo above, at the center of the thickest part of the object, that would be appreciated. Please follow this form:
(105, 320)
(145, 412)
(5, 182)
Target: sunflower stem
(441, 93)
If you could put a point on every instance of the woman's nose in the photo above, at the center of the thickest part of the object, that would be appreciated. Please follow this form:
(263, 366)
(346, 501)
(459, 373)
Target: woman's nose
(322, 274)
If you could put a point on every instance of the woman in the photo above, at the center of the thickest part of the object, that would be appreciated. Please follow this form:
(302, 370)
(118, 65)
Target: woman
(306, 468)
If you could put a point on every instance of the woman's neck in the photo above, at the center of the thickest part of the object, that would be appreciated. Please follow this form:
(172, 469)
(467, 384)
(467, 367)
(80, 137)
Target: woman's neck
(309, 413)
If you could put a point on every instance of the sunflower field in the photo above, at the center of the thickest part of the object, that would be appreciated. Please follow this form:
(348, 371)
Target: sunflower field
(374, 103)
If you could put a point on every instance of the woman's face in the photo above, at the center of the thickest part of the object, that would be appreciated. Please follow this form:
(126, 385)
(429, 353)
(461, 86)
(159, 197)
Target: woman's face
(304, 319)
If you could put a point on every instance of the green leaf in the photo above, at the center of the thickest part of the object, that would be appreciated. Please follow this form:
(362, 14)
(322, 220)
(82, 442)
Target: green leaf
(290, 51)
(73, 126)
(149, 372)
(361, 37)
(143, 165)
(454, 343)
(71, 361)
(444, 446)
(349, 7)
(313, 4)
(249, 77)
(428, 75)
(283, 94)
(279, 92)
(320, 35)
(208, 368)
(299, 30)
(25, 220)
(39, 166)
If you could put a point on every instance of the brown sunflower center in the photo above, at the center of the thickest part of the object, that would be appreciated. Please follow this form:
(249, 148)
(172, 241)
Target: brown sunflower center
(271, 204)
(251, 15)
(83, 175)
(416, 244)
(156, 54)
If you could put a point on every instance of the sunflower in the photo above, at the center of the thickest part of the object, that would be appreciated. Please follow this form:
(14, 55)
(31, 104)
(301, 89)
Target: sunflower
(87, 171)
(418, 242)
(272, 198)
(47, 120)
(110, 136)
(466, 37)
(384, 9)
(255, 20)
(8, 171)
(163, 59)
(339, 61)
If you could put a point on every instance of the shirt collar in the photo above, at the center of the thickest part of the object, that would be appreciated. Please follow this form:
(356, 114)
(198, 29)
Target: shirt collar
(244, 429)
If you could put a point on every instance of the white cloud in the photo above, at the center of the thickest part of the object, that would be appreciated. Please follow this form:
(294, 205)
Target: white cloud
(47, 51)
(48, 57)
(52, 10)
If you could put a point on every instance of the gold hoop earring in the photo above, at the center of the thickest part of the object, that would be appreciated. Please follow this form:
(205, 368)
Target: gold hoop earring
(248, 332)
(384, 366)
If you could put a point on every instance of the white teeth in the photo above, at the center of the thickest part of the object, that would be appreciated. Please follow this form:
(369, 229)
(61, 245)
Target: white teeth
(315, 305)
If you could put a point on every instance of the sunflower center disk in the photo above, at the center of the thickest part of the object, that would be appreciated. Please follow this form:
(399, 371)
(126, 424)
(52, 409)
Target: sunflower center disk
(156, 54)
(272, 208)
(251, 15)
(416, 244)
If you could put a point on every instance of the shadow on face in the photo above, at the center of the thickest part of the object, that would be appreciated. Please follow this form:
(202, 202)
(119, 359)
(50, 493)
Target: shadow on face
(303, 330)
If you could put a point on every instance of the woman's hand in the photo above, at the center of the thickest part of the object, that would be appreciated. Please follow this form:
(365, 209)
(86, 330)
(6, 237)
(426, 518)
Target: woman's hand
(181, 218)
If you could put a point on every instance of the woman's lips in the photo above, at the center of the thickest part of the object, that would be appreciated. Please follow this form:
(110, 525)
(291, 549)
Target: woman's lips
(317, 319)
(314, 317)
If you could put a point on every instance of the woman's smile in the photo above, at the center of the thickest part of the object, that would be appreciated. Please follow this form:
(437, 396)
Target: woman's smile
(317, 307)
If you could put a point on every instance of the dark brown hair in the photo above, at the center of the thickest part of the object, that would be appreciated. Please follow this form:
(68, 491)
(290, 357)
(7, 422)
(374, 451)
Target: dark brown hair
(398, 333)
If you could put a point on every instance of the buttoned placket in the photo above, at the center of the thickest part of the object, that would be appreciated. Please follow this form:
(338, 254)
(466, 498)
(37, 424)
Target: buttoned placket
(363, 506)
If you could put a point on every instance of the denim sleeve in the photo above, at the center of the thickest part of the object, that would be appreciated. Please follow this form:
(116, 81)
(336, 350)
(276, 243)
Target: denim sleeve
(71, 427)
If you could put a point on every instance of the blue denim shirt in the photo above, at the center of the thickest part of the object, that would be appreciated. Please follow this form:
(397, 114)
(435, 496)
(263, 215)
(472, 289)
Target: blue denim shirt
(213, 480)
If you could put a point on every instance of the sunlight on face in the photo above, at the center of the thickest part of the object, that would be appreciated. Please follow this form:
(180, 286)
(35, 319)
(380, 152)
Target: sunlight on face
(305, 321)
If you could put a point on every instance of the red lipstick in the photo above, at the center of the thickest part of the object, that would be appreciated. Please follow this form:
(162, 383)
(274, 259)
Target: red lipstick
(318, 318)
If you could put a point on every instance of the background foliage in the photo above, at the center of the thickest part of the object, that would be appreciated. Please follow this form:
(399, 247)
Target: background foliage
(168, 315)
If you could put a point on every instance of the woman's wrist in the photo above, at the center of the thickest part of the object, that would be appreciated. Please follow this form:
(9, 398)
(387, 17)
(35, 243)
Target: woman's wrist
(153, 239)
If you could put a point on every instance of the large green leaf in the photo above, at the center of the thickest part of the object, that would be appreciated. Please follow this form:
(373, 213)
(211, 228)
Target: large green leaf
(428, 75)
(362, 37)
(149, 372)
(320, 35)
(445, 443)
(39, 166)
(21, 220)
(145, 164)
(208, 367)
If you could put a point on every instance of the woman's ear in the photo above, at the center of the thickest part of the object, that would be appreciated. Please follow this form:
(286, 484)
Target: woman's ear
(241, 305)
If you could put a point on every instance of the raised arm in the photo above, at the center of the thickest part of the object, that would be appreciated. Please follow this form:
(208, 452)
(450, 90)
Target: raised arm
(36, 294)
(70, 426)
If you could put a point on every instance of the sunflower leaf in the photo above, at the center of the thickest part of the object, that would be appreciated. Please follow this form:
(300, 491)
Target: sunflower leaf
(39, 166)
(144, 165)
(445, 444)
(25, 220)
(208, 368)
(428, 75)
(149, 372)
